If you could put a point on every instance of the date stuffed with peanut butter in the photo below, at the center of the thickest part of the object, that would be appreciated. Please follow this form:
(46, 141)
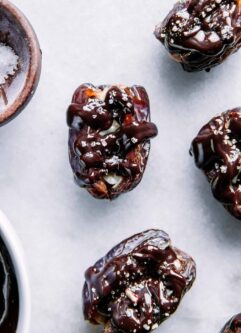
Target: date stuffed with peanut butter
(201, 34)
(217, 152)
(109, 138)
(138, 284)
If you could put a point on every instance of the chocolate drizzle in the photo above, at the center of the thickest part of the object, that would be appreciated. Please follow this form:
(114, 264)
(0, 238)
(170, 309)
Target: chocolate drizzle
(217, 151)
(138, 284)
(109, 137)
(201, 34)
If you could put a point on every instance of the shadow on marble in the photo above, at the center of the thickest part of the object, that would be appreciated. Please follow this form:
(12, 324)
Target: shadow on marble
(87, 206)
(92, 328)
(225, 226)
(181, 83)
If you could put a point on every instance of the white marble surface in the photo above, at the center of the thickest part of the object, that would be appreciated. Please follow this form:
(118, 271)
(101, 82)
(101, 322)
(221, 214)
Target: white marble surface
(62, 229)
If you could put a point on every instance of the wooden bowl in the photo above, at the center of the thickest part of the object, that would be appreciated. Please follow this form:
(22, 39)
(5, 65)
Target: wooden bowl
(18, 41)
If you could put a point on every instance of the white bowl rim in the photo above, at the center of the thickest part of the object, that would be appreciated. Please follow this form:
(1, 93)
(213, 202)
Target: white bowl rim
(16, 253)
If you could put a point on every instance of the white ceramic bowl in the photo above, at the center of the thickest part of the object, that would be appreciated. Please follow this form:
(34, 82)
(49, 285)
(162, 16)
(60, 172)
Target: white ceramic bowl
(16, 253)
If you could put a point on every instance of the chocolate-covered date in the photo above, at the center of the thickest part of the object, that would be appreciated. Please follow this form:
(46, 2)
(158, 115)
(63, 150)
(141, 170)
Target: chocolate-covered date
(233, 325)
(138, 284)
(109, 138)
(216, 150)
(201, 34)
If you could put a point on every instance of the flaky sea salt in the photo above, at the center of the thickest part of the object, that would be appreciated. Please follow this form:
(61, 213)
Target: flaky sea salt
(8, 62)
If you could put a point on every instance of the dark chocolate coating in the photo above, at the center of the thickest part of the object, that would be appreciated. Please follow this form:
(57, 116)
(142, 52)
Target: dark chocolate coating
(216, 150)
(233, 325)
(138, 284)
(109, 138)
(201, 34)
(9, 296)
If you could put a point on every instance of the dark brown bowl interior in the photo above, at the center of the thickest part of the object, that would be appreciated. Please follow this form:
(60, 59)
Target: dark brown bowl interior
(17, 33)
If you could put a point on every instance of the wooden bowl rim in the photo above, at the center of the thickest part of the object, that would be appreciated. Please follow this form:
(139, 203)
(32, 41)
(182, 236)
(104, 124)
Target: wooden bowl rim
(33, 75)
